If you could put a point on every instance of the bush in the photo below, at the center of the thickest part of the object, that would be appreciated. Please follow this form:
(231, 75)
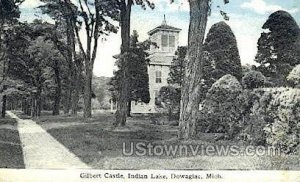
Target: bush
(168, 101)
(221, 109)
(284, 131)
(272, 117)
(257, 113)
(294, 77)
(253, 79)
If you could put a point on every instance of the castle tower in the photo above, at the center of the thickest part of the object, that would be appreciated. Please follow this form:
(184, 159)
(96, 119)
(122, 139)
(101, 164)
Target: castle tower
(166, 37)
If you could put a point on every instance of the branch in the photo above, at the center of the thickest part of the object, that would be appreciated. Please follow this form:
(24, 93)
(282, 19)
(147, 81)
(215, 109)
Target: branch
(88, 32)
(96, 32)
(73, 23)
(86, 4)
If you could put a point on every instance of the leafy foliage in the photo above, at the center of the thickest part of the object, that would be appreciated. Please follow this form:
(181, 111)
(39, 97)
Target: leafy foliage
(9, 9)
(294, 76)
(169, 99)
(101, 90)
(253, 79)
(278, 50)
(35, 60)
(208, 71)
(271, 116)
(176, 74)
(284, 131)
(220, 110)
(222, 46)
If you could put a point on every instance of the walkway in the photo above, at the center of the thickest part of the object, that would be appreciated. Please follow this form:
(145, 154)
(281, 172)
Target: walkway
(41, 150)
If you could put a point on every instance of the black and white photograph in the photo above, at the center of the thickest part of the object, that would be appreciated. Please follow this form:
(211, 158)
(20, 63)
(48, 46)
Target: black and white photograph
(149, 90)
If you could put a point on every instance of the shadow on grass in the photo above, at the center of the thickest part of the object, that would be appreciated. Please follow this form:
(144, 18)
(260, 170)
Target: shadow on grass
(100, 145)
(11, 155)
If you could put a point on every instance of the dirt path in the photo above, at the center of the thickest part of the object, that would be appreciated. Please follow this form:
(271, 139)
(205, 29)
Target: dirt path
(41, 150)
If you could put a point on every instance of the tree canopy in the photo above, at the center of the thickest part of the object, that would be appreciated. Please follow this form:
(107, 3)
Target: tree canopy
(222, 46)
(278, 48)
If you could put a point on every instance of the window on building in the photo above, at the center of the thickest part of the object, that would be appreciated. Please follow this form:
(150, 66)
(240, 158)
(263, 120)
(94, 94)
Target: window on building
(158, 76)
(164, 40)
(172, 41)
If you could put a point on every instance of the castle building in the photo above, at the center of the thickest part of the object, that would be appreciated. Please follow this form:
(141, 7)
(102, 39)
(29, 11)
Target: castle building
(161, 55)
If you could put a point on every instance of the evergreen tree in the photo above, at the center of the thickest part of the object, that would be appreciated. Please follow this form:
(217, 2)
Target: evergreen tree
(138, 73)
(222, 46)
(176, 74)
(278, 49)
(220, 57)
(125, 7)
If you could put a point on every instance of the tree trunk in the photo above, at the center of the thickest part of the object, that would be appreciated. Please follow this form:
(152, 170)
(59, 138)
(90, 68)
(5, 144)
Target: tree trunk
(71, 60)
(170, 113)
(67, 99)
(75, 96)
(77, 70)
(33, 106)
(26, 107)
(88, 93)
(123, 94)
(57, 96)
(4, 97)
(190, 97)
(129, 109)
(39, 101)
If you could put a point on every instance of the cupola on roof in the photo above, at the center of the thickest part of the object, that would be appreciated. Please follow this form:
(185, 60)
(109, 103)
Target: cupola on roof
(164, 26)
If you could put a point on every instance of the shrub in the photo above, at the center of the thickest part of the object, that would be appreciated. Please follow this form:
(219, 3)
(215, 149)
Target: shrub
(294, 77)
(285, 130)
(221, 108)
(168, 101)
(253, 79)
(272, 117)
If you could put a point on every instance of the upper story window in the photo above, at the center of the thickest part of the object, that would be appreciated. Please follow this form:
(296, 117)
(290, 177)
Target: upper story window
(172, 41)
(164, 40)
(167, 40)
(158, 76)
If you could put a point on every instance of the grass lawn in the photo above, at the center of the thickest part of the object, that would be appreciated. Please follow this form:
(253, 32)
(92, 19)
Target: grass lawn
(10, 146)
(100, 145)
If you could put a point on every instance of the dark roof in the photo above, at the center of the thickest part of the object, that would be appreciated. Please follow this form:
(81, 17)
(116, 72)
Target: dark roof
(164, 27)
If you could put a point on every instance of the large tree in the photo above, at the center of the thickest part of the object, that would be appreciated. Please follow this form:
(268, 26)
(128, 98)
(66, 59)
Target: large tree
(191, 96)
(278, 50)
(125, 16)
(138, 80)
(34, 59)
(9, 13)
(96, 17)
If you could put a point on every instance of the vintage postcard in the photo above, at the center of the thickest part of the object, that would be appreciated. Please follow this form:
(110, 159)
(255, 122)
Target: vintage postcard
(149, 90)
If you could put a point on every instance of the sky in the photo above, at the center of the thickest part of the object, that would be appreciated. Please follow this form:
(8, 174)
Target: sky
(246, 20)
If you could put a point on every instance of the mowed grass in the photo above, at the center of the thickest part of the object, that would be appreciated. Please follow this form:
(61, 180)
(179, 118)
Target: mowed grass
(11, 155)
(100, 145)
